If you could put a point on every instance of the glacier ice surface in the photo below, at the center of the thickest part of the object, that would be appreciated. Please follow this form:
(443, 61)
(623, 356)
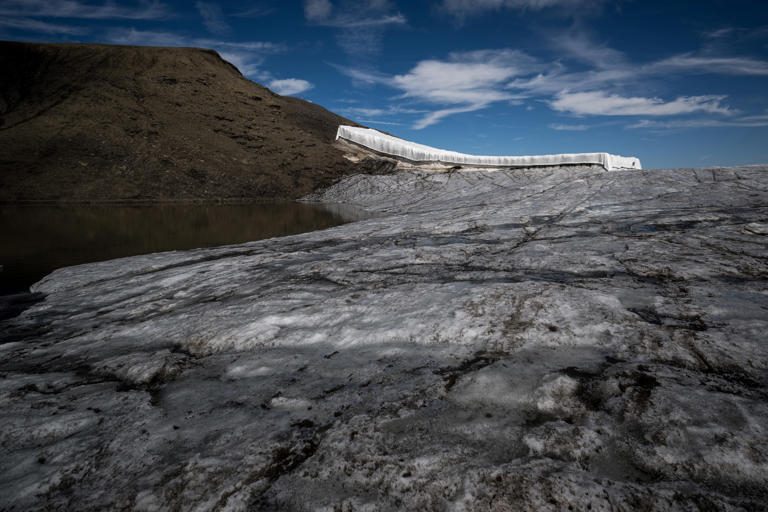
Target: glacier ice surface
(489, 340)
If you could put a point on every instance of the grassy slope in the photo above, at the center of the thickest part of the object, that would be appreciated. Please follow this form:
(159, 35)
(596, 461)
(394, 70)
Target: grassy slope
(97, 122)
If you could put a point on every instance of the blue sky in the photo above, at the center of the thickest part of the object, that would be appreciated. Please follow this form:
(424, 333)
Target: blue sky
(675, 83)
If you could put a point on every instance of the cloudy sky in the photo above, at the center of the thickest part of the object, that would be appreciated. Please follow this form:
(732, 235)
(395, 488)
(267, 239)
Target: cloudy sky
(675, 83)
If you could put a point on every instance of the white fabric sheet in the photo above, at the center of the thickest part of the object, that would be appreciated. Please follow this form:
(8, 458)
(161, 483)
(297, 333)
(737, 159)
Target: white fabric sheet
(389, 145)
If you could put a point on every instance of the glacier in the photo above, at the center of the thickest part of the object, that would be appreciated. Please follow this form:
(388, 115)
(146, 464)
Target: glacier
(389, 145)
(545, 339)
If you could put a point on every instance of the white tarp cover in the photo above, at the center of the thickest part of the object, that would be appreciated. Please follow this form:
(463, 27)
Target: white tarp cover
(389, 145)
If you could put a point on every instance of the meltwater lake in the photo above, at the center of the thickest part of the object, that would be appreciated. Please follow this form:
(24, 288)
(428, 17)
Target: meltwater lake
(35, 240)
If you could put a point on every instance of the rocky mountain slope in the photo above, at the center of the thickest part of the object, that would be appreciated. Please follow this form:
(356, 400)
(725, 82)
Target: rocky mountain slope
(96, 122)
(534, 340)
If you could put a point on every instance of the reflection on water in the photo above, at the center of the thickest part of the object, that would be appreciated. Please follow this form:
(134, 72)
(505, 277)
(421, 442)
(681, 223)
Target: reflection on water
(35, 240)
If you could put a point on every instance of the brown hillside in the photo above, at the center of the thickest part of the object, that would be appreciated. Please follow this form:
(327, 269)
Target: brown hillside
(97, 122)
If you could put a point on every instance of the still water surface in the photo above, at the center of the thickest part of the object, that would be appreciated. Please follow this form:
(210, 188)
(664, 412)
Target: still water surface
(35, 240)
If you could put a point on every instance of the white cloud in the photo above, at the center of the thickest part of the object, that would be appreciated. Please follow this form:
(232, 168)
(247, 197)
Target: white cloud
(361, 23)
(600, 103)
(760, 118)
(609, 85)
(391, 115)
(362, 76)
(213, 17)
(579, 45)
(719, 33)
(251, 46)
(317, 10)
(132, 36)
(354, 22)
(376, 121)
(467, 77)
(152, 38)
(246, 63)
(438, 115)
(378, 112)
(254, 11)
(463, 8)
(247, 56)
(44, 27)
(569, 127)
(352, 14)
(141, 10)
(707, 64)
(676, 124)
(290, 86)
(361, 111)
(611, 70)
(466, 81)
